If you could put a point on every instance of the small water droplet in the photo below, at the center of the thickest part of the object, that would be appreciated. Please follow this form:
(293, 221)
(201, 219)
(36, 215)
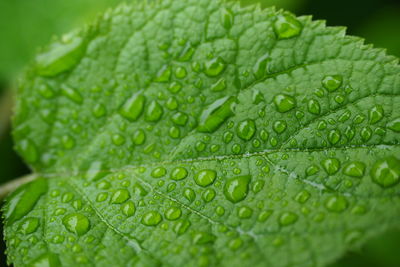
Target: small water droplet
(72, 94)
(375, 114)
(164, 75)
(189, 194)
(186, 53)
(128, 209)
(246, 129)
(284, 103)
(205, 178)
(288, 218)
(178, 173)
(118, 139)
(332, 83)
(208, 195)
(394, 125)
(219, 86)
(314, 107)
(46, 91)
(215, 114)
(215, 67)
(302, 196)
(366, 133)
(331, 165)
(76, 223)
(244, 212)
(354, 169)
(287, 26)
(154, 112)
(151, 218)
(28, 150)
(173, 213)
(139, 137)
(158, 172)
(133, 107)
(386, 172)
(334, 136)
(180, 72)
(237, 188)
(260, 69)
(336, 203)
(120, 196)
(99, 110)
(279, 126)
(29, 225)
(180, 118)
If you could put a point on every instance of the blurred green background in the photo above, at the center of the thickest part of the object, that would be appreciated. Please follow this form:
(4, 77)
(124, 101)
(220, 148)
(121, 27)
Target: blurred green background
(27, 24)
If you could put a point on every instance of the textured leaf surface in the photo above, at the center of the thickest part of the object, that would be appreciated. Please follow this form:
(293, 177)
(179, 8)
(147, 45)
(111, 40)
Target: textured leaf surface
(197, 133)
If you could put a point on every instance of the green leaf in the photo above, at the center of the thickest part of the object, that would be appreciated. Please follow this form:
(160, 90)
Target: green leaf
(292, 161)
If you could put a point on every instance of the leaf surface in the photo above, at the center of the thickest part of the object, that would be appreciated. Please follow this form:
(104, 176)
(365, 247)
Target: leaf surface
(199, 133)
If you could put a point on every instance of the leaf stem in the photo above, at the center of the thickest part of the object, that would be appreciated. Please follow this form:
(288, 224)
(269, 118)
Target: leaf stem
(10, 186)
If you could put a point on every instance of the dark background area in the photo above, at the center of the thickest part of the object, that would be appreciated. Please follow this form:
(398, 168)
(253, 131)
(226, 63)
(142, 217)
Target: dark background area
(25, 25)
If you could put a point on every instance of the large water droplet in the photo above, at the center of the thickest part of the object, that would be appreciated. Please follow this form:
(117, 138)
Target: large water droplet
(332, 83)
(287, 26)
(189, 194)
(284, 103)
(215, 67)
(354, 169)
(215, 114)
(246, 129)
(133, 107)
(205, 177)
(76, 223)
(128, 209)
(120, 196)
(23, 200)
(386, 172)
(336, 203)
(154, 112)
(61, 56)
(151, 218)
(236, 189)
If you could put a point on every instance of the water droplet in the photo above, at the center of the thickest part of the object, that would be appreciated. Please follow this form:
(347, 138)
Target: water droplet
(164, 75)
(208, 195)
(139, 137)
(181, 226)
(336, 203)
(101, 197)
(23, 200)
(331, 165)
(235, 244)
(29, 225)
(332, 83)
(201, 238)
(128, 209)
(158, 172)
(205, 177)
(133, 107)
(120, 196)
(345, 116)
(375, 114)
(28, 150)
(219, 210)
(354, 169)
(215, 114)
(257, 98)
(302, 196)
(246, 129)
(279, 126)
(61, 56)
(284, 103)
(71, 94)
(151, 218)
(180, 72)
(180, 118)
(237, 188)
(227, 18)
(76, 223)
(244, 212)
(68, 141)
(219, 86)
(99, 110)
(186, 53)
(215, 67)
(189, 194)
(264, 215)
(175, 87)
(288, 218)
(394, 125)
(118, 139)
(173, 213)
(154, 112)
(179, 173)
(334, 136)
(366, 133)
(47, 259)
(174, 132)
(67, 197)
(287, 26)
(314, 107)
(260, 69)
(386, 172)
(172, 103)
(46, 91)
